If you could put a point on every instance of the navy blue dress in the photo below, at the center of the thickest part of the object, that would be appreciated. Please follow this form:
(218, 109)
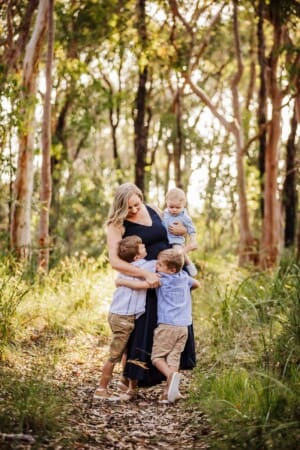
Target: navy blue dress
(139, 366)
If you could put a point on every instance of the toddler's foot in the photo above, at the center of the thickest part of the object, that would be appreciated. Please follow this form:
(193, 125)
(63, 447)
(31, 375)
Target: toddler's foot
(191, 268)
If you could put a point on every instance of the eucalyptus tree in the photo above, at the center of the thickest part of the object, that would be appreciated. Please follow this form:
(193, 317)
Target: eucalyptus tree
(21, 210)
(16, 19)
(46, 181)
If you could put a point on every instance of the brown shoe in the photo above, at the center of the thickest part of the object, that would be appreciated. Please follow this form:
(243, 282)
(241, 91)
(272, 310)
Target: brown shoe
(129, 395)
(103, 394)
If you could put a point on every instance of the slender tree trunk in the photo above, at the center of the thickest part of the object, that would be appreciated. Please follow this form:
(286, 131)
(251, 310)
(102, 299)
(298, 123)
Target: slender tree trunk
(271, 222)
(290, 196)
(140, 126)
(246, 240)
(21, 210)
(46, 181)
(262, 102)
(178, 142)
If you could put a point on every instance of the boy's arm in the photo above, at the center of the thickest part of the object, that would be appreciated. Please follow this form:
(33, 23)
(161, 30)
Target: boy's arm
(132, 284)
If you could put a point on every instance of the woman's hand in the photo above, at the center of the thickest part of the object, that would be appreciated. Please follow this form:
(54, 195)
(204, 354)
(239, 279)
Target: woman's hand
(152, 279)
(177, 228)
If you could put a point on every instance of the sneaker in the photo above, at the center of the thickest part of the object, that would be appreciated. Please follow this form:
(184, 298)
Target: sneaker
(103, 394)
(191, 268)
(173, 390)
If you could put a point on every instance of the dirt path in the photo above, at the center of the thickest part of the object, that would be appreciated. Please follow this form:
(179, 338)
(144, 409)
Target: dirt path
(141, 424)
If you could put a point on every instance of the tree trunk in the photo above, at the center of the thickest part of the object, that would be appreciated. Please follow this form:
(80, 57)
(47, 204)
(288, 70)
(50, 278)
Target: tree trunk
(178, 142)
(46, 182)
(21, 210)
(262, 103)
(271, 221)
(140, 126)
(290, 196)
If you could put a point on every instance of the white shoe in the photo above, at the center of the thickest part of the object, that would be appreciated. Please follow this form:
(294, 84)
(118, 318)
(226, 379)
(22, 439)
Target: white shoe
(173, 389)
(191, 268)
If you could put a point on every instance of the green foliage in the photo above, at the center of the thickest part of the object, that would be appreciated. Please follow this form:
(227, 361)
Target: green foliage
(48, 322)
(31, 403)
(12, 292)
(248, 377)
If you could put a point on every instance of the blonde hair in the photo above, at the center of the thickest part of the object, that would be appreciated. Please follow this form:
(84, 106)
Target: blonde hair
(172, 258)
(176, 194)
(128, 247)
(119, 208)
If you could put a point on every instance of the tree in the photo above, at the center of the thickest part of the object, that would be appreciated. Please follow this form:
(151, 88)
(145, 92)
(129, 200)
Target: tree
(46, 181)
(141, 122)
(21, 208)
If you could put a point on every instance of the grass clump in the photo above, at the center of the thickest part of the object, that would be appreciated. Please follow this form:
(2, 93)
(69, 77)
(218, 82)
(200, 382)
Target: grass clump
(46, 323)
(248, 378)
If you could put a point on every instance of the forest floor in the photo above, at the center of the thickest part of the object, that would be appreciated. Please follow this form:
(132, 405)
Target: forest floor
(139, 424)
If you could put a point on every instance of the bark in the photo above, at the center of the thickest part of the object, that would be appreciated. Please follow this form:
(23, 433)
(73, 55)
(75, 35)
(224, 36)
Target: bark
(14, 48)
(262, 102)
(21, 210)
(46, 181)
(140, 125)
(114, 118)
(178, 140)
(271, 221)
(290, 196)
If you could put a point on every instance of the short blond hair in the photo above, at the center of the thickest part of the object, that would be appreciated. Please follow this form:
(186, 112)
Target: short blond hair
(176, 194)
(119, 208)
(128, 247)
(172, 258)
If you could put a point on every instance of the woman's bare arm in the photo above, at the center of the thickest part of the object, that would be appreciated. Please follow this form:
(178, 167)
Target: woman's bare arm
(114, 235)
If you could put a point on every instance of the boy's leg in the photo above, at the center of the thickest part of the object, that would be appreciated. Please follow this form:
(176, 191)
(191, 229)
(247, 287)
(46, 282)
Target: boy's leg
(121, 327)
(106, 375)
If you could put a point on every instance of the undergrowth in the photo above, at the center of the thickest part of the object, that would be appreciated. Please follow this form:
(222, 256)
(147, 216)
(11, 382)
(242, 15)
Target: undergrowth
(247, 379)
(248, 346)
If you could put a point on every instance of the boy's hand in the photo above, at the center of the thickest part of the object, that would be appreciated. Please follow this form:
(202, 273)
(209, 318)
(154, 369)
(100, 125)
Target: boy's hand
(118, 281)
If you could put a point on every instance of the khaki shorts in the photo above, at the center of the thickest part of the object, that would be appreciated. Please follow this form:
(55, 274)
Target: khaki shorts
(121, 327)
(168, 343)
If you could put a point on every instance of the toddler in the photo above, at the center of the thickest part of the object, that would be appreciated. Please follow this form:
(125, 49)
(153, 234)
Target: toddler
(176, 212)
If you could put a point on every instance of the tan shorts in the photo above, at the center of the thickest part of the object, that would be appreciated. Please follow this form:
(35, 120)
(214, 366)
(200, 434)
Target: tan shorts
(121, 327)
(168, 343)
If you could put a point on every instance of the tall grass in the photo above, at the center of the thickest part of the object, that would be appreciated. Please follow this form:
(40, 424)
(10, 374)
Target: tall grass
(248, 377)
(44, 322)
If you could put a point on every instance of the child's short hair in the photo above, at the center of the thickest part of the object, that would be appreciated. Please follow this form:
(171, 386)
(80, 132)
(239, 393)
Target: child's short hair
(176, 194)
(128, 248)
(172, 258)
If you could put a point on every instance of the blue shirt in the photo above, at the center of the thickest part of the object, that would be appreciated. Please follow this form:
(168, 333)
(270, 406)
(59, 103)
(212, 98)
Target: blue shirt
(182, 217)
(127, 301)
(174, 301)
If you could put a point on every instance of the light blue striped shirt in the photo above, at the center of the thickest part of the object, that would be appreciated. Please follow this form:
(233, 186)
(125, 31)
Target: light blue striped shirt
(174, 301)
(127, 301)
(182, 217)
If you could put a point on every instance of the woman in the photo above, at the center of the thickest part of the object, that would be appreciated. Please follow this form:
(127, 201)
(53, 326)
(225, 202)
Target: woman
(130, 216)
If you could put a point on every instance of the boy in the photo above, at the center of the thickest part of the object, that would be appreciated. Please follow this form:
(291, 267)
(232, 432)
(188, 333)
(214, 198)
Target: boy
(176, 211)
(126, 305)
(174, 310)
